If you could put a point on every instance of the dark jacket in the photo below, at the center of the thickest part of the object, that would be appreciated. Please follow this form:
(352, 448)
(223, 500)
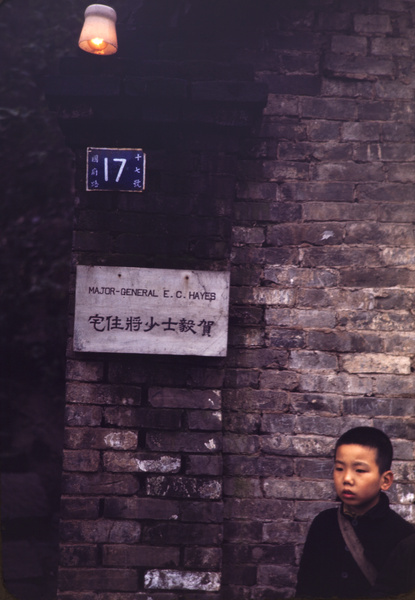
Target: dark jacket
(398, 574)
(327, 568)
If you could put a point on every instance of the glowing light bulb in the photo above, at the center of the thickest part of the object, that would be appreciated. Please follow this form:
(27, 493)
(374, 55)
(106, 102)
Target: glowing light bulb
(98, 42)
(98, 35)
(98, 45)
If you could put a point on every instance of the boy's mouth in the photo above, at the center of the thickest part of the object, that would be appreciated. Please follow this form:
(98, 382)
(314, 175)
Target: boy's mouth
(347, 494)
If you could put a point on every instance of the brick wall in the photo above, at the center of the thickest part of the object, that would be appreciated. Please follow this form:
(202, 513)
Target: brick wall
(198, 477)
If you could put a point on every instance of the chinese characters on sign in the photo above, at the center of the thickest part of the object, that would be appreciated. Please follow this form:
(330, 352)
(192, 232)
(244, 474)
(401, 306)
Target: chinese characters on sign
(151, 311)
(101, 323)
(112, 169)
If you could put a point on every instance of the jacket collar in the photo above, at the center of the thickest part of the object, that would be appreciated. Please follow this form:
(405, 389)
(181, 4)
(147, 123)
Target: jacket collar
(376, 512)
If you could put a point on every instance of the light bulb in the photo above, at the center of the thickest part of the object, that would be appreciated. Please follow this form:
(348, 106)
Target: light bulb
(98, 35)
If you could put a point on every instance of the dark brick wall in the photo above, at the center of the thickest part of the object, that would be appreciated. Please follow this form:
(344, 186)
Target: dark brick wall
(179, 470)
(323, 244)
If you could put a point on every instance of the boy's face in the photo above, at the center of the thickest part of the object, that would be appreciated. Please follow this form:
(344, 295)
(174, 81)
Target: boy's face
(357, 479)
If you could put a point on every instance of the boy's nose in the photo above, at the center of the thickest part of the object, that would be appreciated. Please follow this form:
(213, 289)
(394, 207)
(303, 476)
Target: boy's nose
(348, 477)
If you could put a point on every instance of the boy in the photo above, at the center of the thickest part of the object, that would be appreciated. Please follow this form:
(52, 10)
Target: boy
(331, 567)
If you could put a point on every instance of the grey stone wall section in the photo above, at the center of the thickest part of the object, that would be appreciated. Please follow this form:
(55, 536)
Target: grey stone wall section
(336, 319)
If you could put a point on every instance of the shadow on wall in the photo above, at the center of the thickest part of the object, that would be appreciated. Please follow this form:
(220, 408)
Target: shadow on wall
(30, 477)
(36, 225)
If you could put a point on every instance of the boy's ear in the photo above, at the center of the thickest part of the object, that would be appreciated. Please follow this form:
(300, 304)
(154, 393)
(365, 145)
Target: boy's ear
(386, 480)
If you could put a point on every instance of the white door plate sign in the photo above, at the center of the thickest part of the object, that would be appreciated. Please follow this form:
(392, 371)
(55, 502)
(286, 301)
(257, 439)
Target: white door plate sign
(151, 311)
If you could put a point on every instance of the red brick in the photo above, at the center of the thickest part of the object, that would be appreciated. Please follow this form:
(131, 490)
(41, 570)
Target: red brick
(98, 579)
(138, 555)
(99, 484)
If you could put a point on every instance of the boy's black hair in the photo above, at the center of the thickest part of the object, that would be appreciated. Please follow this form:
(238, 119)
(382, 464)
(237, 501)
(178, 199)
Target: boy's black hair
(371, 438)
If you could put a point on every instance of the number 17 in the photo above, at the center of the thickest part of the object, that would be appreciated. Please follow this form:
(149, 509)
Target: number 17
(120, 170)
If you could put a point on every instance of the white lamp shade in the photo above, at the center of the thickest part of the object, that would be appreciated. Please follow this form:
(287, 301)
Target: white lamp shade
(98, 34)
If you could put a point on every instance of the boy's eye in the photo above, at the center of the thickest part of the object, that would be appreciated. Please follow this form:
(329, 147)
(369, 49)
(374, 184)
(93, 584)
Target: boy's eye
(361, 470)
(338, 469)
